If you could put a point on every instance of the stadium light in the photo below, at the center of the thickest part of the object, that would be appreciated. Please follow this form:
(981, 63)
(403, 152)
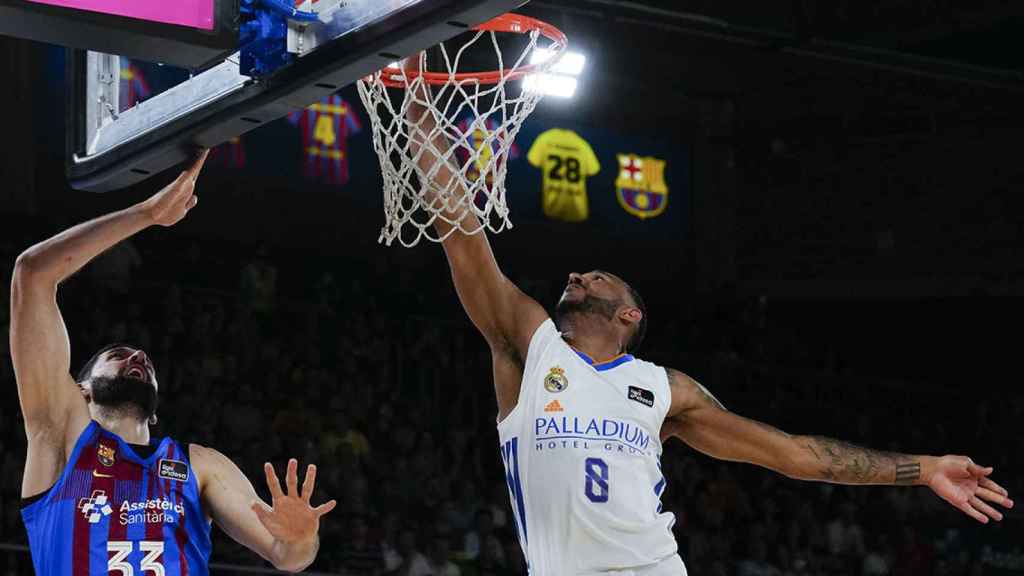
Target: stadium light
(571, 63)
(561, 79)
(550, 84)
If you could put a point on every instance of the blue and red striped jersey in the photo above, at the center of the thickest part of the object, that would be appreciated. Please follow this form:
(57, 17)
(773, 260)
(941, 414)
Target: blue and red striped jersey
(325, 128)
(113, 512)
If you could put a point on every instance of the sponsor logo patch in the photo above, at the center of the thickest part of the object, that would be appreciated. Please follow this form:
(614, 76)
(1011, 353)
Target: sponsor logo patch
(645, 397)
(553, 406)
(173, 470)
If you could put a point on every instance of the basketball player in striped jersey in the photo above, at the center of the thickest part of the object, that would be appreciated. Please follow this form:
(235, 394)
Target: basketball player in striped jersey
(581, 420)
(101, 496)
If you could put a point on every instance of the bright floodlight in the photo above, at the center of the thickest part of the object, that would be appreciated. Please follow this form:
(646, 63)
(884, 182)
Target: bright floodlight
(551, 84)
(571, 62)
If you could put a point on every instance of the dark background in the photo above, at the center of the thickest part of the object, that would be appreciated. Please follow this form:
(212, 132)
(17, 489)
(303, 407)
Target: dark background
(847, 263)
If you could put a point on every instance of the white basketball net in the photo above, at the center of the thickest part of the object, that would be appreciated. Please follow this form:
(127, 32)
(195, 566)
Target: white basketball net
(473, 122)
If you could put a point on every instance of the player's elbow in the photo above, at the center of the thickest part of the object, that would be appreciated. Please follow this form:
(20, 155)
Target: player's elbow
(24, 270)
(28, 270)
(26, 265)
(291, 568)
(291, 565)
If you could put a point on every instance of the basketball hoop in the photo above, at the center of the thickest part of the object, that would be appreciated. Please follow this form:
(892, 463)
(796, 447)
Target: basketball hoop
(479, 113)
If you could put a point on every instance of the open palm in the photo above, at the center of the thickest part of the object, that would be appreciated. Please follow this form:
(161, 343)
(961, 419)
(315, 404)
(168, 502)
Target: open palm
(291, 518)
(966, 485)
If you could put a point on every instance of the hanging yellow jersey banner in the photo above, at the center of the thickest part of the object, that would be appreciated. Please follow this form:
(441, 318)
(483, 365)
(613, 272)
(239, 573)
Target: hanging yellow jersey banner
(640, 187)
(567, 160)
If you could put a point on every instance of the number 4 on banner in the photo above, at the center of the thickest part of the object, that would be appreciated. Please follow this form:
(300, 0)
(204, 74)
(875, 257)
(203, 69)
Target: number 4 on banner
(324, 130)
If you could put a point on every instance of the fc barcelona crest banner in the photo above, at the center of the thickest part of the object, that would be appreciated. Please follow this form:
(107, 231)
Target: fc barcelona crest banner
(640, 187)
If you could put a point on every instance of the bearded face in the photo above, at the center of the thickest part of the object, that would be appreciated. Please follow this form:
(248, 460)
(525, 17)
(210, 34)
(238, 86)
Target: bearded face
(124, 393)
(588, 304)
(121, 378)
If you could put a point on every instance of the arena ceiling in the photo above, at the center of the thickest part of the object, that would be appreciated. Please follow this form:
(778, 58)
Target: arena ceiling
(781, 61)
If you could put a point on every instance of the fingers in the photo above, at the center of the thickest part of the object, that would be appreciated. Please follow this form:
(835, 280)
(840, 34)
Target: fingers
(192, 201)
(309, 483)
(976, 470)
(291, 477)
(970, 511)
(985, 508)
(191, 173)
(988, 483)
(325, 508)
(272, 482)
(994, 497)
(197, 165)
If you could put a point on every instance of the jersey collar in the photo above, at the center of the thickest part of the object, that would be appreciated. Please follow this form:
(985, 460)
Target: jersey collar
(605, 364)
(129, 453)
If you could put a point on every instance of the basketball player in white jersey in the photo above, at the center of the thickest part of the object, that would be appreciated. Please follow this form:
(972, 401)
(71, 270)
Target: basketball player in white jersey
(581, 421)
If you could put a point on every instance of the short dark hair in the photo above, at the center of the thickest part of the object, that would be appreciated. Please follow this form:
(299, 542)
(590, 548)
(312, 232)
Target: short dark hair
(641, 327)
(86, 372)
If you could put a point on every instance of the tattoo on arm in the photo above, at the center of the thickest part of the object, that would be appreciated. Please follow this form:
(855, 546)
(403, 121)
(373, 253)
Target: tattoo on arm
(908, 472)
(845, 463)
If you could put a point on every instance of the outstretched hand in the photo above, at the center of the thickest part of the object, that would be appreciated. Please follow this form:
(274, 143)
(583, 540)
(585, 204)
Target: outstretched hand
(291, 518)
(168, 206)
(964, 484)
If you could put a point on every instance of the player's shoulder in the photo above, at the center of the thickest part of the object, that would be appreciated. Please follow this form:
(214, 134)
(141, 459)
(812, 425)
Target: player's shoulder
(681, 380)
(200, 454)
(204, 461)
(202, 458)
(674, 375)
(688, 392)
(678, 381)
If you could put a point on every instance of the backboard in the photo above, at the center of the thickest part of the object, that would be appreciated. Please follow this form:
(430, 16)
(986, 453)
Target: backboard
(186, 33)
(284, 58)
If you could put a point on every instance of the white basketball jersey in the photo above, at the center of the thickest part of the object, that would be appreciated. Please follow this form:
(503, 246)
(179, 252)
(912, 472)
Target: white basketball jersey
(582, 460)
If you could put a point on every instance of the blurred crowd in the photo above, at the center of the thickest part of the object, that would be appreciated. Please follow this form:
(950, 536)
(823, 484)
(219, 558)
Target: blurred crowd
(268, 354)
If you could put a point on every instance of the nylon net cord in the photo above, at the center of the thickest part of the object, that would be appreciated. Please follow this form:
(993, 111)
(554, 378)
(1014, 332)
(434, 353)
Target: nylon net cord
(478, 151)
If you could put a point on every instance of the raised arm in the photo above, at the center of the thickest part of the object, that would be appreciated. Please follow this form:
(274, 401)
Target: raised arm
(284, 533)
(698, 419)
(53, 407)
(505, 316)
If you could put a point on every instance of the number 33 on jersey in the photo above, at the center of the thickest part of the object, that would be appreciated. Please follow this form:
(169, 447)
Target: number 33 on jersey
(566, 160)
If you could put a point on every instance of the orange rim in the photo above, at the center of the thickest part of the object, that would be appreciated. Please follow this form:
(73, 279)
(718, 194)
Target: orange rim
(511, 23)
